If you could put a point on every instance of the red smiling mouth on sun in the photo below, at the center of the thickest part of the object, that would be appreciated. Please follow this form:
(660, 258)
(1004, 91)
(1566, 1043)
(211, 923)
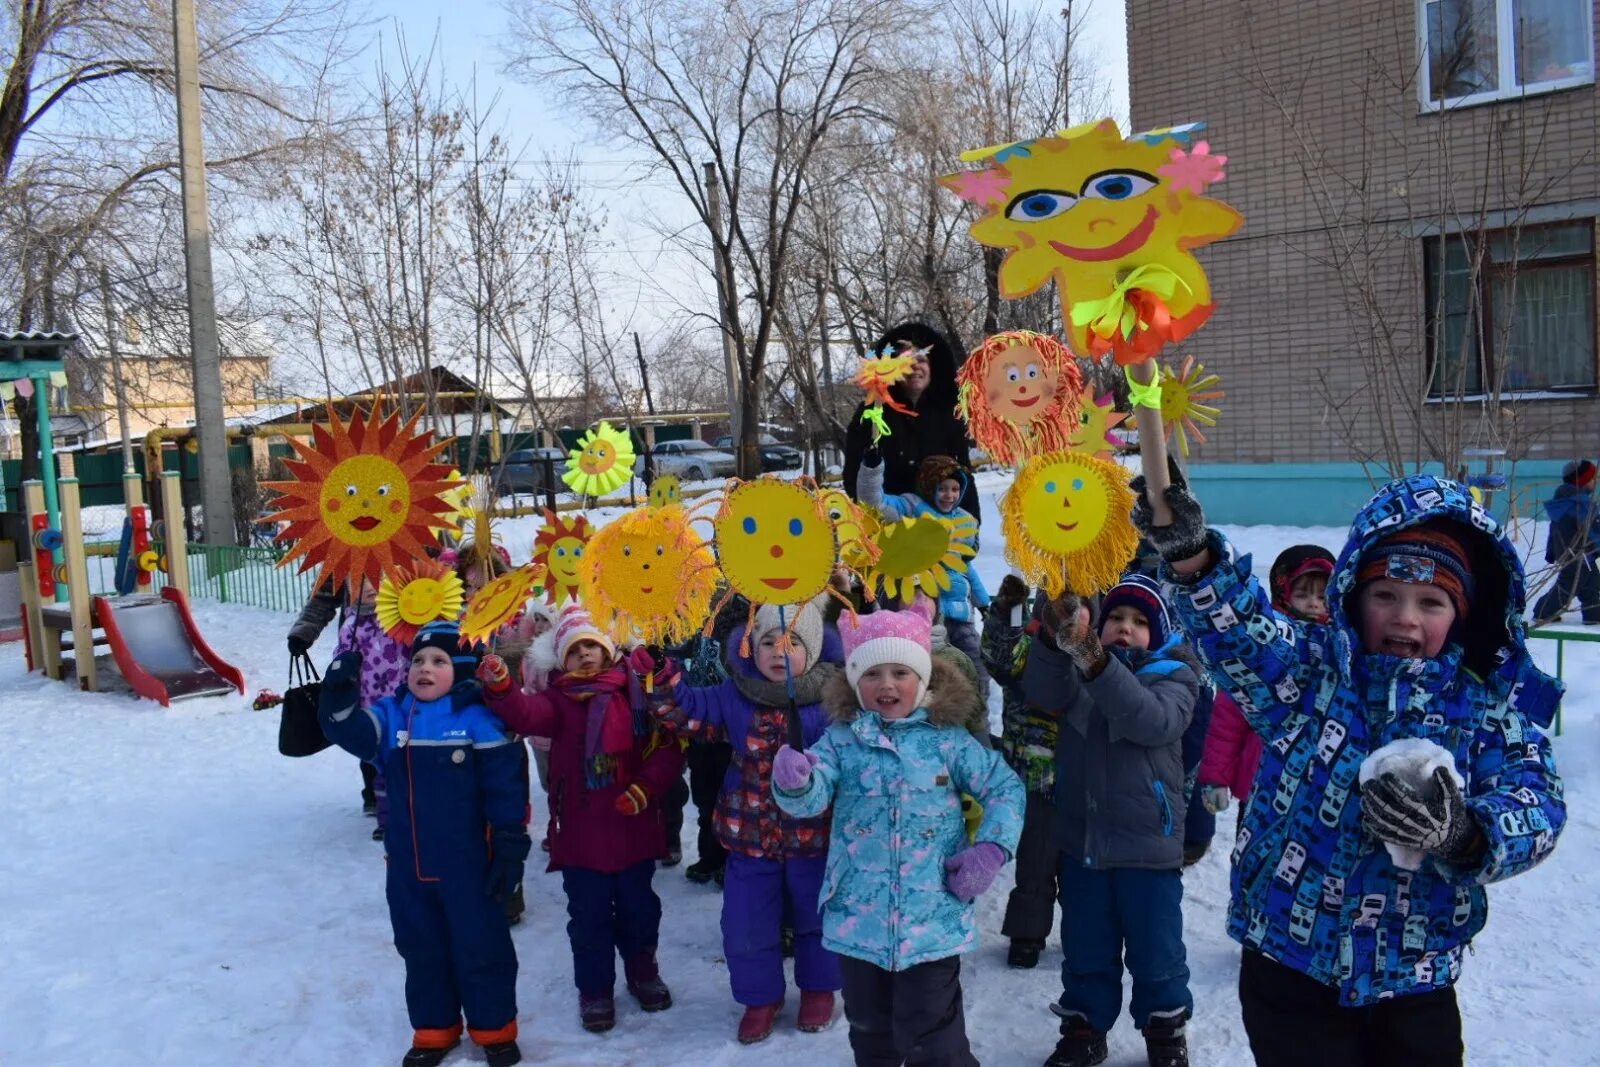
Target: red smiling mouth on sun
(1025, 402)
(778, 583)
(1134, 238)
(364, 523)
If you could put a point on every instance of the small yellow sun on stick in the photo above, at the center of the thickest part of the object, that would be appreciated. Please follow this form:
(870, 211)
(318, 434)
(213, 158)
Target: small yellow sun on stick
(602, 461)
(417, 595)
(1096, 420)
(665, 491)
(558, 552)
(1182, 401)
(878, 374)
(497, 603)
(1066, 522)
(918, 553)
(855, 527)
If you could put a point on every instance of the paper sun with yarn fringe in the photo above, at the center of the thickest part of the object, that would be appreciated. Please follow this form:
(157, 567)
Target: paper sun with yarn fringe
(1112, 221)
(1183, 396)
(364, 499)
(647, 574)
(416, 595)
(1066, 522)
(854, 528)
(558, 552)
(1096, 419)
(498, 602)
(602, 461)
(919, 553)
(877, 375)
(1019, 395)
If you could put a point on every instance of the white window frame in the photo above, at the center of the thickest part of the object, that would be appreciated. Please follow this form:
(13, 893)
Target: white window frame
(1505, 35)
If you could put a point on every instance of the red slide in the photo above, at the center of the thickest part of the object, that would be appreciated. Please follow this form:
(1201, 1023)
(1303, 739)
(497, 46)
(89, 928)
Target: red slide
(159, 650)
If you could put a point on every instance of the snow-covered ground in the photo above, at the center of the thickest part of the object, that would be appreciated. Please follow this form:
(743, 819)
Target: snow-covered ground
(172, 891)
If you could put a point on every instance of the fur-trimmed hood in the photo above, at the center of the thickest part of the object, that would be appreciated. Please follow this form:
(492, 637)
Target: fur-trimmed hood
(950, 695)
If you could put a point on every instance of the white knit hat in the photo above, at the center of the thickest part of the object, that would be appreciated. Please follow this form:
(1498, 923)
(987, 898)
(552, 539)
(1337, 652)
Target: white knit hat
(887, 637)
(804, 622)
(575, 625)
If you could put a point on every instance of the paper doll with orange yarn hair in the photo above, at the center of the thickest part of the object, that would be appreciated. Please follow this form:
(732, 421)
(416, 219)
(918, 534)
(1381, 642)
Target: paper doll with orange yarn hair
(1112, 221)
(1019, 395)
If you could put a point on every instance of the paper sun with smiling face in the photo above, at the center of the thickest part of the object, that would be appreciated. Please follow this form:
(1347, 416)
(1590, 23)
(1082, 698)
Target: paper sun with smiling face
(364, 499)
(1112, 221)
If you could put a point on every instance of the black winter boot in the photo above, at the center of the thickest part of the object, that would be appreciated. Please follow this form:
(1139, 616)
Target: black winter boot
(428, 1057)
(1024, 953)
(1081, 1045)
(1164, 1042)
(502, 1054)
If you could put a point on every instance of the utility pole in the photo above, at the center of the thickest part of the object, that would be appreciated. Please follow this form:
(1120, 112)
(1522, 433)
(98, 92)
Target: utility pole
(216, 488)
(730, 358)
(116, 371)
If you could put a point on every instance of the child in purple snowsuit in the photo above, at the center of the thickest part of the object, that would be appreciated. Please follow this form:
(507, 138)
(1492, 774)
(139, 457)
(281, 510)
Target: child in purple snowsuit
(773, 859)
(384, 663)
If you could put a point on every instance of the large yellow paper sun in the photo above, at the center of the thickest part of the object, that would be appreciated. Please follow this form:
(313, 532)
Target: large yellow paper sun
(774, 542)
(558, 552)
(1096, 420)
(1183, 396)
(494, 605)
(602, 461)
(1086, 208)
(417, 595)
(917, 553)
(364, 498)
(1066, 522)
(647, 574)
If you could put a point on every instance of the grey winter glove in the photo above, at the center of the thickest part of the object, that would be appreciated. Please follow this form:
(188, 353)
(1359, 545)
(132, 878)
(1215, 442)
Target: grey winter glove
(508, 854)
(1216, 798)
(1432, 819)
(1186, 537)
(1074, 634)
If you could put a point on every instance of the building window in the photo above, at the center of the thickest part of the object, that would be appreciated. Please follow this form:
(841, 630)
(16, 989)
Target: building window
(1483, 50)
(1517, 304)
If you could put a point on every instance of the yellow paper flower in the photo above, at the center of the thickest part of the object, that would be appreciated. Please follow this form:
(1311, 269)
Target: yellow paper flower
(1066, 522)
(417, 595)
(602, 461)
(1182, 401)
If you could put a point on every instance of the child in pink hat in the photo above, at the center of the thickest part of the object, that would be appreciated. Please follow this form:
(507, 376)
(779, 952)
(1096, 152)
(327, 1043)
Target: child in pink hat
(901, 876)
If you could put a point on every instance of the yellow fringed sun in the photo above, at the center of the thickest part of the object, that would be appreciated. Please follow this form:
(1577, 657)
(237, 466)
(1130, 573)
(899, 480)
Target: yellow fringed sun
(494, 605)
(1066, 521)
(602, 461)
(648, 574)
(1096, 420)
(854, 527)
(415, 596)
(917, 553)
(363, 499)
(1182, 401)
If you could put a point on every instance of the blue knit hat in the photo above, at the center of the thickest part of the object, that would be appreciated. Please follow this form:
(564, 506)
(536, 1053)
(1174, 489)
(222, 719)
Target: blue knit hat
(1143, 595)
(446, 637)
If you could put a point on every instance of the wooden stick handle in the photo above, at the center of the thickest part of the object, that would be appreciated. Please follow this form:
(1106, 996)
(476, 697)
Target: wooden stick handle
(1152, 446)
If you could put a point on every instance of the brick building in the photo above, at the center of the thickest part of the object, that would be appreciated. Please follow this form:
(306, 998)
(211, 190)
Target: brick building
(1420, 181)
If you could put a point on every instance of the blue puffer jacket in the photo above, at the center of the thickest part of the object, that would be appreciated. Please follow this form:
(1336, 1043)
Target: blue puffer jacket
(1572, 523)
(896, 787)
(966, 587)
(452, 769)
(1310, 889)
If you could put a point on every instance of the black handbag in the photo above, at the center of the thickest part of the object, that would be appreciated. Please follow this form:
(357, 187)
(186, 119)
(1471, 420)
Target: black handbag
(299, 732)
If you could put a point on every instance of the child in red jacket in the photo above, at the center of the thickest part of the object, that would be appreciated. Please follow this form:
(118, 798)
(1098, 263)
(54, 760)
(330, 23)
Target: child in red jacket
(1233, 751)
(608, 764)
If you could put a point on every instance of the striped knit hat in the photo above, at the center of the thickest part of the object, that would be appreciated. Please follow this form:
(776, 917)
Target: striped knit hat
(1143, 595)
(445, 635)
(1433, 553)
(576, 625)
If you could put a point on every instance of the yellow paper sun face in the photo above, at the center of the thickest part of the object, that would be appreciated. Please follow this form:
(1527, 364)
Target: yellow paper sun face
(460, 500)
(854, 528)
(918, 553)
(1086, 206)
(665, 491)
(417, 595)
(647, 574)
(602, 461)
(1096, 420)
(1066, 520)
(365, 498)
(496, 603)
(774, 542)
(558, 552)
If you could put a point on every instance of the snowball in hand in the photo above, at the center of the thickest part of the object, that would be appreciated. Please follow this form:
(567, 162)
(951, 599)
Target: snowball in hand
(1413, 760)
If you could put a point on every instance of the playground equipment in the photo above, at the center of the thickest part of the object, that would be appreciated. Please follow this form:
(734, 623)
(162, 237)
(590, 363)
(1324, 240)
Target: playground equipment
(153, 639)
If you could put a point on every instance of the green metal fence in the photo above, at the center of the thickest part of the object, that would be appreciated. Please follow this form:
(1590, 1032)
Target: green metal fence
(225, 573)
(1561, 637)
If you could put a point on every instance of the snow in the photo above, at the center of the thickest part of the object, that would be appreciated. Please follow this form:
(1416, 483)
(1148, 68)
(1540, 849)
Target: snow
(175, 892)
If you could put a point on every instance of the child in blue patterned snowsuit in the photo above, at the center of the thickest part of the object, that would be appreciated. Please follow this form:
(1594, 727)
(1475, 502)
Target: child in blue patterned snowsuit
(1349, 959)
(457, 839)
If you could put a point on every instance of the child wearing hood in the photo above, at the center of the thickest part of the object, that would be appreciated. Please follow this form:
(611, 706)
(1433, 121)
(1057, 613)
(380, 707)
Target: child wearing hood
(774, 862)
(1299, 580)
(1127, 700)
(608, 766)
(900, 880)
(941, 484)
(1573, 545)
(1350, 959)
(460, 840)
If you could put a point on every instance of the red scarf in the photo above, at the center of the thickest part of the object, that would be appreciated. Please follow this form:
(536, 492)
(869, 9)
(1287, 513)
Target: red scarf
(609, 722)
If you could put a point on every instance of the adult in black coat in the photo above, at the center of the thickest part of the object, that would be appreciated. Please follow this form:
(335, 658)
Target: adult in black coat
(930, 391)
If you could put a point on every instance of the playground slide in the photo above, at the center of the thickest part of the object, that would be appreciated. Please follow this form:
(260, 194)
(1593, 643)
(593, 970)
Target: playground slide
(159, 650)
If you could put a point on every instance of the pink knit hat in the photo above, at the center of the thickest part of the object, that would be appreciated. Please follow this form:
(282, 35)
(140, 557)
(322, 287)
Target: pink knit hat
(887, 637)
(575, 625)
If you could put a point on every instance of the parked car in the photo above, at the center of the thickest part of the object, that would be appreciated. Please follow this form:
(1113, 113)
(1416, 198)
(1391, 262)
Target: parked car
(690, 461)
(775, 455)
(525, 470)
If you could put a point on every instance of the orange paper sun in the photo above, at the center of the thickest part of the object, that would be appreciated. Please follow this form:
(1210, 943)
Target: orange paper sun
(364, 498)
